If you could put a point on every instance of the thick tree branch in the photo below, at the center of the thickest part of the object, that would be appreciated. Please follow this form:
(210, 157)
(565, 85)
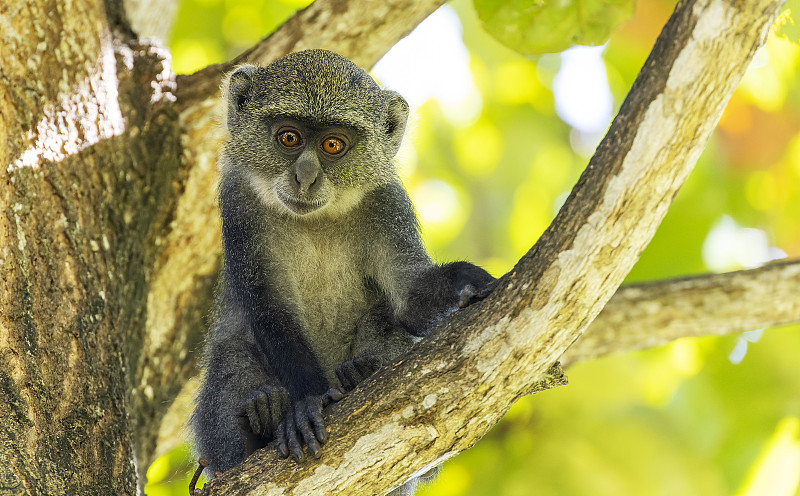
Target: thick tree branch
(644, 315)
(640, 316)
(443, 395)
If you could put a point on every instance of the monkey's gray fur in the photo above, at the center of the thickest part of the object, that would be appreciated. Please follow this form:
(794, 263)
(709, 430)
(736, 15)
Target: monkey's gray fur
(325, 278)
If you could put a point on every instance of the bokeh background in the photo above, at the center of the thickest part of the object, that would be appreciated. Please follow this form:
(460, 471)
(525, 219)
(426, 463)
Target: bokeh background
(496, 141)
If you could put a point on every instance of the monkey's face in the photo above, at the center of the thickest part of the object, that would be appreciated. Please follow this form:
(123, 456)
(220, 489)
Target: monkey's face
(315, 132)
(309, 166)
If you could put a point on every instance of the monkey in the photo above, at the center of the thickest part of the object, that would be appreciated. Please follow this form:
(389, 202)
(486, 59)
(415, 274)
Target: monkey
(325, 278)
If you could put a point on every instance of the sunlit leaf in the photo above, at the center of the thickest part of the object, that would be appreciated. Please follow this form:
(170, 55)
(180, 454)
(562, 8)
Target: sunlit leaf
(550, 26)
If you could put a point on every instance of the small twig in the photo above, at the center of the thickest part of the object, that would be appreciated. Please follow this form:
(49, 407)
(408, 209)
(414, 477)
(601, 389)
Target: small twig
(201, 464)
(554, 377)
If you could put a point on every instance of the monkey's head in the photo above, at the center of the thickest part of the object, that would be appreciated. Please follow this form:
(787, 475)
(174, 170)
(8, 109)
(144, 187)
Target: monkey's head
(314, 131)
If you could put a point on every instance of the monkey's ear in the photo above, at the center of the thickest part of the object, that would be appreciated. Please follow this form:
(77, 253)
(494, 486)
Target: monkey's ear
(394, 124)
(236, 91)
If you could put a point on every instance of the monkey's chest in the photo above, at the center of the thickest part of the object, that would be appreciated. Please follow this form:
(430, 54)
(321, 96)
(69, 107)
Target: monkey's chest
(326, 287)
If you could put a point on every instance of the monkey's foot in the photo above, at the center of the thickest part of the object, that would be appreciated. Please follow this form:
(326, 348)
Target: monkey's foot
(352, 372)
(264, 409)
(303, 425)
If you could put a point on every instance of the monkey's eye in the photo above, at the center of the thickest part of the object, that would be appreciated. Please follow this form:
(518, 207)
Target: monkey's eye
(289, 139)
(333, 146)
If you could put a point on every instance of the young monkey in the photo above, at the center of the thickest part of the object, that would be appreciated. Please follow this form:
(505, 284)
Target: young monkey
(325, 278)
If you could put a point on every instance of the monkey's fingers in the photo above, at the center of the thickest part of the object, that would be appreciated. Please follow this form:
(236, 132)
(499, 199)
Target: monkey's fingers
(303, 413)
(278, 405)
(348, 375)
(291, 442)
(367, 366)
(332, 396)
(469, 295)
(315, 419)
(262, 408)
(252, 416)
(280, 437)
(352, 372)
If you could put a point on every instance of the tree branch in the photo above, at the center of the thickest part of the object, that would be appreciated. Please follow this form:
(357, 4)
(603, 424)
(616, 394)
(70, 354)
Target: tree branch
(449, 389)
(361, 30)
(640, 316)
(645, 315)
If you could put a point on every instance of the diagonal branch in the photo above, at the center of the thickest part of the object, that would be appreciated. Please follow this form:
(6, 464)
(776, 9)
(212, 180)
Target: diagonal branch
(448, 390)
(640, 316)
(643, 315)
(361, 30)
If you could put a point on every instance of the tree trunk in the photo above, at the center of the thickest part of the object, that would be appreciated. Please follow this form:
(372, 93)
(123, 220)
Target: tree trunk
(110, 239)
(91, 164)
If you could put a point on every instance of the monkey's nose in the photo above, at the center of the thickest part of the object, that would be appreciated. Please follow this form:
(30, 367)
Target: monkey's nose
(306, 176)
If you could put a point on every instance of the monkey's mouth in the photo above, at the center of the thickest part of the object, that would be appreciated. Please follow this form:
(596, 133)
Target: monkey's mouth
(301, 207)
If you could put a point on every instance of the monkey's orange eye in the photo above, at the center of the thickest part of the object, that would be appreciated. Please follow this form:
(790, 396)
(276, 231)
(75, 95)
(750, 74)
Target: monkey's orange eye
(289, 139)
(333, 146)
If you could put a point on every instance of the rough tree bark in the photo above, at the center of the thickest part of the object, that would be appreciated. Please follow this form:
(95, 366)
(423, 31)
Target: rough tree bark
(109, 239)
(90, 167)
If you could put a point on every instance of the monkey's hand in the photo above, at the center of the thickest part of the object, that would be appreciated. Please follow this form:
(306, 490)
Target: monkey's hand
(303, 424)
(263, 409)
(473, 293)
(352, 372)
(471, 282)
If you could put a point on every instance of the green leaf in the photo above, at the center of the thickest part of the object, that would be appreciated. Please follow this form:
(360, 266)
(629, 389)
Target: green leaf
(552, 26)
(788, 22)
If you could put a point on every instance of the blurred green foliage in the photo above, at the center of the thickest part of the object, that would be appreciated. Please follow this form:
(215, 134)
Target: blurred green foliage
(706, 417)
(533, 28)
(212, 31)
(789, 21)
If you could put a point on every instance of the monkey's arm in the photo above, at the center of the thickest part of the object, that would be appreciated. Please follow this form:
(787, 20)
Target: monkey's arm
(420, 292)
(278, 336)
(379, 339)
(275, 328)
(414, 293)
(236, 377)
(440, 290)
